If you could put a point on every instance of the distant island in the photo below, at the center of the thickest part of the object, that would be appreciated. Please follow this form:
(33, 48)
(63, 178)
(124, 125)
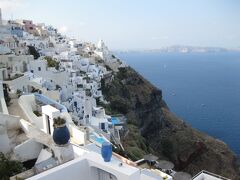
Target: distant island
(185, 49)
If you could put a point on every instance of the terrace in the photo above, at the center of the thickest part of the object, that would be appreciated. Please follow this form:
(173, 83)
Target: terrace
(208, 175)
(13, 77)
(90, 165)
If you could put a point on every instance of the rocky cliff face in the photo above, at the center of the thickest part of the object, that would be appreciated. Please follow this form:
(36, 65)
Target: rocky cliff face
(154, 129)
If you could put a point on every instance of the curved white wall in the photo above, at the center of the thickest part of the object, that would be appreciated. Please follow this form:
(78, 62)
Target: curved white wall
(27, 103)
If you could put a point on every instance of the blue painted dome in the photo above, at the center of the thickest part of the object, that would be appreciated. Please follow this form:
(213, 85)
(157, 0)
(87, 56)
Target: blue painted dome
(61, 135)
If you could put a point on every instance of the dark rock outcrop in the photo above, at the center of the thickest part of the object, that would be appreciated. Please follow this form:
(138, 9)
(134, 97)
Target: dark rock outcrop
(153, 128)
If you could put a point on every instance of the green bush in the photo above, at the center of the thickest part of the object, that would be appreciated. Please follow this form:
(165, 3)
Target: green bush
(119, 104)
(19, 92)
(132, 122)
(9, 167)
(58, 121)
(51, 62)
(33, 52)
(167, 147)
(135, 153)
(37, 113)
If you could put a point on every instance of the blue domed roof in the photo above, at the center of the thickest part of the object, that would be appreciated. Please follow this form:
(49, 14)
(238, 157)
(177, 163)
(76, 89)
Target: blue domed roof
(61, 135)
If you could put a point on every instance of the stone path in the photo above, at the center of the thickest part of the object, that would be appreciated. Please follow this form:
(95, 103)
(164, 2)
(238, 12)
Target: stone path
(15, 109)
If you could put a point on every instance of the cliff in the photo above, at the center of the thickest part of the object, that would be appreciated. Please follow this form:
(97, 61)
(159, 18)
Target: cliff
(154, 129)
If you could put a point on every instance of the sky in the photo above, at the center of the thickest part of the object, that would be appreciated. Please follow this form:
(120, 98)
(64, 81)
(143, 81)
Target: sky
(136, 24)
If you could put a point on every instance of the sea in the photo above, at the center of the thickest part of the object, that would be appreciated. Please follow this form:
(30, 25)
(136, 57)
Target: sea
(201, 88)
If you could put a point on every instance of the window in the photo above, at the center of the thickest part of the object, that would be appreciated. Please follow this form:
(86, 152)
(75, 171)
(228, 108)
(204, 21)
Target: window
(102, 126)
(39, 68)
(48, 124)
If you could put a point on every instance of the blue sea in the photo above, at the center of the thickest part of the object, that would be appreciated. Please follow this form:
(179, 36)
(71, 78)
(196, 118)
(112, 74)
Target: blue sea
(201, 88)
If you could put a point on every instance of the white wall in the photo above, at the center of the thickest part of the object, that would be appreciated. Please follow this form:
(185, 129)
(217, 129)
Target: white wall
(86, 167)
(52, 113)
(78, 135)
(36, 64)
(3, 105)
(71, 171)
(7, 122)
(12, 122)
(18, 83)
(16, 62)
(27, 104)
(28, 150)
(64, 153)
(203, 176)
(4, 140)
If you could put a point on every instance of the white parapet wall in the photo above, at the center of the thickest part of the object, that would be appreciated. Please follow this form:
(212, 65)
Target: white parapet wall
(4, 140)
(28, 150)
(20, 83)
(48, 114)
(3, 106)
(7, 122)
(78, 135)
(90, 166)
(12, 122)
(64, 153)
(28, 105)
(205, 175)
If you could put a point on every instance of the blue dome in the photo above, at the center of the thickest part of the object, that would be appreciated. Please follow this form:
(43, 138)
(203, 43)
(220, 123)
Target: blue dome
(61, 135)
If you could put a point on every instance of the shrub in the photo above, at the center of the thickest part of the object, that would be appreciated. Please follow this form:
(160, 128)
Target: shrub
(135, 153)
(119, 104)
(58, 121)
(51, 62)
(108, 68)
(167, 147)
(37, 113)
(19, 92)
(9, 167)
(33, 51)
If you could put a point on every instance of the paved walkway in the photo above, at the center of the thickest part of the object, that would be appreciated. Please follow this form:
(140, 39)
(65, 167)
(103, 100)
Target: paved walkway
(15, 109)
(33, 132)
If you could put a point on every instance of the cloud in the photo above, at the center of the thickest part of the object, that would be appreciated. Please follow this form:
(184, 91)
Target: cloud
(10, 5)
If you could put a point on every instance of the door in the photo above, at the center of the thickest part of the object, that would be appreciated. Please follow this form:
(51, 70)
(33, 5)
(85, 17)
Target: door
(103, 175)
